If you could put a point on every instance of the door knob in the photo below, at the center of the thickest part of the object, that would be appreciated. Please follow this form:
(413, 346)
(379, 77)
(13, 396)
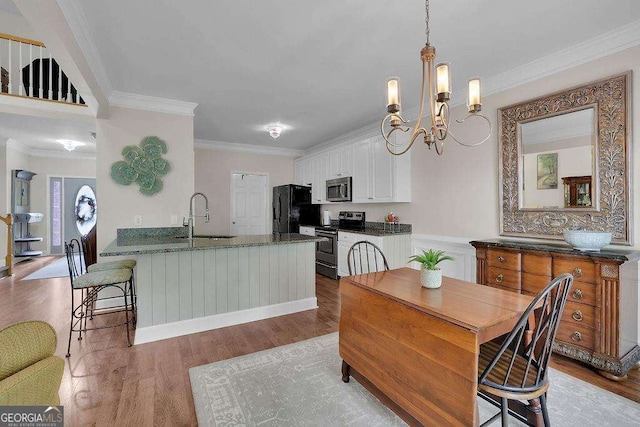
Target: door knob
(233, 222)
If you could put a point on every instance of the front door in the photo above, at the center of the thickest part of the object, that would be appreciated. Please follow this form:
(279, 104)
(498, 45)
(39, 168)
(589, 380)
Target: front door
(73, 210)
(248, 204)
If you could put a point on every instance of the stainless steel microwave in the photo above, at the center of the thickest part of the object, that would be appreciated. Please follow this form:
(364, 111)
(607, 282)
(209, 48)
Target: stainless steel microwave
(339, 190)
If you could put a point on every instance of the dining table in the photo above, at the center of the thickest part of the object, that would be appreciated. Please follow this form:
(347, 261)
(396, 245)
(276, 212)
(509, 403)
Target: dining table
(420, 346)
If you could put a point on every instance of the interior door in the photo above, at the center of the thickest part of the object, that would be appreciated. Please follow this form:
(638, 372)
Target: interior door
(248, 204)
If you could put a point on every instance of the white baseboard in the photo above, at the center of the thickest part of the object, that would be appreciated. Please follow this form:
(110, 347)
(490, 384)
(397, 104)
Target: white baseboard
(200, 324)
(463, 266)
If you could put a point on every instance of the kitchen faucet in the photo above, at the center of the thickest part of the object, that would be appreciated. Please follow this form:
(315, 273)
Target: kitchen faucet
(190, 222)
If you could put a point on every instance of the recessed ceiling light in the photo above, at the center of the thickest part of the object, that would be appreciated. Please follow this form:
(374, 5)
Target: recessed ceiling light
(69, 144)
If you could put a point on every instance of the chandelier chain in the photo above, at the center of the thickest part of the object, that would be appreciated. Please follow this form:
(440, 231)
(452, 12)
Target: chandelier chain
(426, 20)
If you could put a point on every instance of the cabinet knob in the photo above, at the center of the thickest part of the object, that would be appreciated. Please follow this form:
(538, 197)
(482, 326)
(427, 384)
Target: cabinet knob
(576, 336)
(500, 278)
(577, 272)
(577, 316)
(577, 294)
(500, 258)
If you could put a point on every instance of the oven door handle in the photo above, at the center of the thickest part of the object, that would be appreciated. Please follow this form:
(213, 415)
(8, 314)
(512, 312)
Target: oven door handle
(324, 264)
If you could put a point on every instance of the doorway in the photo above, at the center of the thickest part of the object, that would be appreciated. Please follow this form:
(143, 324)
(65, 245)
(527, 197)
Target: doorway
(72, 210)
(249, 210)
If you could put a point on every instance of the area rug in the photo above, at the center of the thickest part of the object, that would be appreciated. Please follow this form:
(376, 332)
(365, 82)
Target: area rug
(300, 384)
(57, 268)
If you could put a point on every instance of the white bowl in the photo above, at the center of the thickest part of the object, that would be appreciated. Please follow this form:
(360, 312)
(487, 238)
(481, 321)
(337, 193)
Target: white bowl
(587, 240)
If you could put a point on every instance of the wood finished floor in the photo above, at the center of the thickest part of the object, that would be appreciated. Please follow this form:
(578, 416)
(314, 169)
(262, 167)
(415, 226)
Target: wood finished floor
(107, 383)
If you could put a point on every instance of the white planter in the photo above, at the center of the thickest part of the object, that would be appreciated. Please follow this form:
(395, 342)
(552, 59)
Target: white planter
(431, 278)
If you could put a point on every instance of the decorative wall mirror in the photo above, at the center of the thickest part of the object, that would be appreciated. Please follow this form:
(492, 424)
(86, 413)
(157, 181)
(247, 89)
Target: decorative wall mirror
(565, 162)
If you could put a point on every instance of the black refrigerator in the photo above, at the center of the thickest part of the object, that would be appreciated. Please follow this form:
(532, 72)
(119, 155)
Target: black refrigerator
(292, 207)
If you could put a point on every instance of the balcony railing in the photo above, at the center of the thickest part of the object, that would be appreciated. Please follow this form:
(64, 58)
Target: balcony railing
(28, 70)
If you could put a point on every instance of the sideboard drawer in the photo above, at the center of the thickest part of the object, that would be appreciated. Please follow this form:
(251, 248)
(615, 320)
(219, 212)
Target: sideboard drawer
(534, 283)
(584, 293)
(503, 278)
(572, 334)
(503, 259)
(583, 271)
(536, 264)
(580, 315)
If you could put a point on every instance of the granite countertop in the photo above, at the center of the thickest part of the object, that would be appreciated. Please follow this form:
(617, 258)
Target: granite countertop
(371, 228)
(158, 243)
(619, 254)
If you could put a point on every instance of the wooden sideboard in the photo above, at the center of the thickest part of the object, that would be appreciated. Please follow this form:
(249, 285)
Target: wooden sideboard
(600, 324)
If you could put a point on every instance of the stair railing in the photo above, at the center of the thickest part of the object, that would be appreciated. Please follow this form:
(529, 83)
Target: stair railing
(28, 70)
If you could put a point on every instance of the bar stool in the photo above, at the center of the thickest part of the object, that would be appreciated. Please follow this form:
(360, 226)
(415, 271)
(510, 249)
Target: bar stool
(90, 284)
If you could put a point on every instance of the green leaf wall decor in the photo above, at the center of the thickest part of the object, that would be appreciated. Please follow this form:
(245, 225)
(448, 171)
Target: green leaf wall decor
(142, 164)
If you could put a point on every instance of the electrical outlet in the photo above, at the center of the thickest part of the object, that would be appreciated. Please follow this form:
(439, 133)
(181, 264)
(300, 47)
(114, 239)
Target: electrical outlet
(174, 219)
(137, 220)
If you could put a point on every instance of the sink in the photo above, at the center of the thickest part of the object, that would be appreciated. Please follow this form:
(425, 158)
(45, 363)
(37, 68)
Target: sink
(206, 237)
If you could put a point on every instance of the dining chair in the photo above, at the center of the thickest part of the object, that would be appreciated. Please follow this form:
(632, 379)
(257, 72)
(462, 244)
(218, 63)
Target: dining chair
(364, 255)
(516, 369)
(90, 284)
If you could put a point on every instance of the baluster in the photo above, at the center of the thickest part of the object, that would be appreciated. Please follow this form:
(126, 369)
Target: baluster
(40, 86)
(59, 83)
(10, 70)
(77, 95)
(50, 94)
(19, 68)
(30, 70)
(68, 97)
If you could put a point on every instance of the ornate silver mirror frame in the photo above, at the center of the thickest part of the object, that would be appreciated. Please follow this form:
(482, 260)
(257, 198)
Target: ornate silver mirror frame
(611, 98)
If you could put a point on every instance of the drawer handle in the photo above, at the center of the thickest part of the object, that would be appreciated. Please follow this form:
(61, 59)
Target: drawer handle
(500, 258)
(576, 336)
(577, 316)
(577, 294)
(500, 278)
(577, 272)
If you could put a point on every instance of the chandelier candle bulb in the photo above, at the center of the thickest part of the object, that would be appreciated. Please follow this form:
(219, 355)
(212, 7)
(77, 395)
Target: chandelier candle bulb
(393, 94)
(474, 102)
(443, 81)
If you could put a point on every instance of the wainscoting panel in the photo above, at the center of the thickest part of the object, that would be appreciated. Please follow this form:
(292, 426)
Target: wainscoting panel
(464, 265)
(181, 286)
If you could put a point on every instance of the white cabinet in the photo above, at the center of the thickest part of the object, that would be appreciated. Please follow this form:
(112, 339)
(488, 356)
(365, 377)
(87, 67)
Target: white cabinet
(396, 249)
(379, 177)
(340, 164)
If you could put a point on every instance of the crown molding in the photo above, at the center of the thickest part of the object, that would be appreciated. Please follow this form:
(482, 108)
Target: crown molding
(78, 25)
(151, 103)
(247, 148)
(363, 132)
(604, 45)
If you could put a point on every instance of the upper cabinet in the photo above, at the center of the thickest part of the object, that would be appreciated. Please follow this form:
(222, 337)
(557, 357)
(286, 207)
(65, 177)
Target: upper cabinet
(378, 177)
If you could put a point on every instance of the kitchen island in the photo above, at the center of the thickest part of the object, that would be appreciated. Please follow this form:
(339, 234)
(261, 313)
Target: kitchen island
(187, 286)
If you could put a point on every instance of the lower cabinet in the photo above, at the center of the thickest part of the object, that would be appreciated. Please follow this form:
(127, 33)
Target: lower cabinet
(396, 248)
(599, 325)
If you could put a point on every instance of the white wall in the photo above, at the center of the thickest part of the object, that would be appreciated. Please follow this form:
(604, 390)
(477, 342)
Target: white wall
(119, 204)
(213, 170)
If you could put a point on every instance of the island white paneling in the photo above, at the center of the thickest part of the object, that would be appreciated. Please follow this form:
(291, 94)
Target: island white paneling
(191, 291)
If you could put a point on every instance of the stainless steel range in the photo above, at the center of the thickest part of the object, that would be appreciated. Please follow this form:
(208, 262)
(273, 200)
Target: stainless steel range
(327, 251)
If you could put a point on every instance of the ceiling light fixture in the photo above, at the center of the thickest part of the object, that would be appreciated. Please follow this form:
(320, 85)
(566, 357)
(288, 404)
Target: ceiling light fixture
(439, 107)
(275, 130)
(69, 144)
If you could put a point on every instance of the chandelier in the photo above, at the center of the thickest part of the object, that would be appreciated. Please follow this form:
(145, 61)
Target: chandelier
(439, 97)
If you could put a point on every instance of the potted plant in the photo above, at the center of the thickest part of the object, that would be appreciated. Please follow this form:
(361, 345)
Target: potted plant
(431, 276)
